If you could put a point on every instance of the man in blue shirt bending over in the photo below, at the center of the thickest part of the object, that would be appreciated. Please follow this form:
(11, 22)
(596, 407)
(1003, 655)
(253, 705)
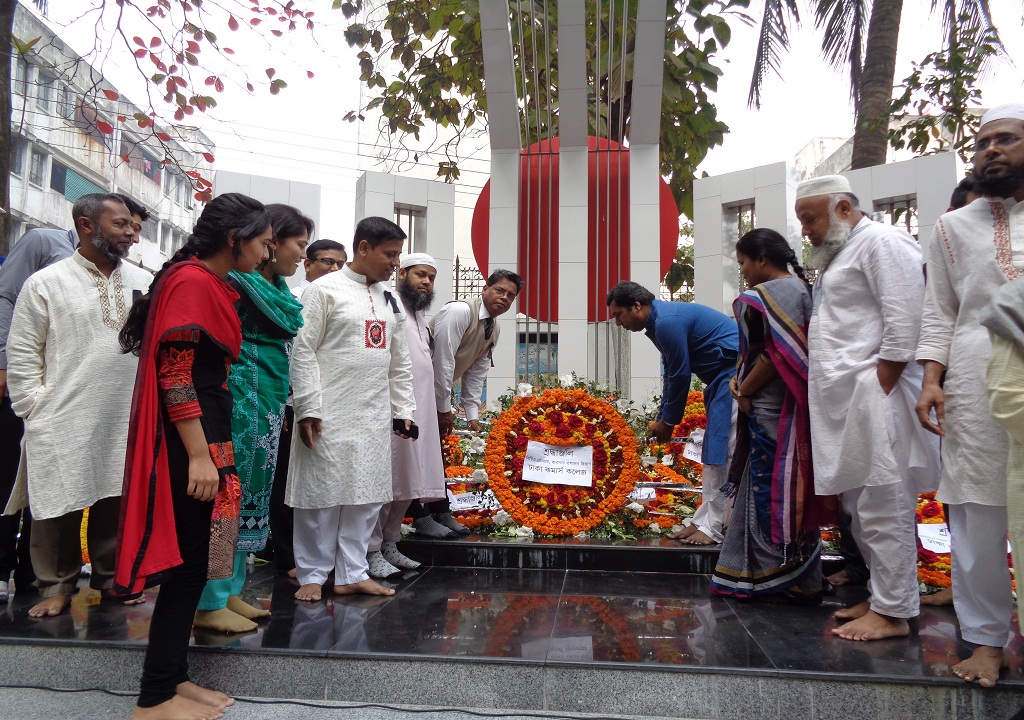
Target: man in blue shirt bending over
(692, 339)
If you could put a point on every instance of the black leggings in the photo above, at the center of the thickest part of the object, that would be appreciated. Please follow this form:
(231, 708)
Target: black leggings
(166, 664)
(437, 507)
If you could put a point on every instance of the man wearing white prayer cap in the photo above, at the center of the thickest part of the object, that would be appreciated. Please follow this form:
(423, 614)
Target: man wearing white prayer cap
(862, 388)
(417, 470)
(974, 251)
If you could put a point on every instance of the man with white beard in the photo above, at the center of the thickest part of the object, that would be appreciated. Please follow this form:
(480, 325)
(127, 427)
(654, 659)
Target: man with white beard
(866, 443)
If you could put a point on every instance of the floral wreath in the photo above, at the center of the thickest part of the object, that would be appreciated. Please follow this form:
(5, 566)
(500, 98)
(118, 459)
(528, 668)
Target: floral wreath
(567, 418)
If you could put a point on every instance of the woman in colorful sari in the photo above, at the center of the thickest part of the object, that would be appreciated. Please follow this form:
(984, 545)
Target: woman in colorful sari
(270, 317)
(180, 505)
(773, 544)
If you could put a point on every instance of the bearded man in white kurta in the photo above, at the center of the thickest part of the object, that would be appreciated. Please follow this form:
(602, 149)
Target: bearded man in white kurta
(72, 385)
(866, 443)
(975, 250)
(351, 377)
(417, 468)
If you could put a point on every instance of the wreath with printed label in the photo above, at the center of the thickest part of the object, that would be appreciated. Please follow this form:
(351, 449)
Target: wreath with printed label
(565, 418)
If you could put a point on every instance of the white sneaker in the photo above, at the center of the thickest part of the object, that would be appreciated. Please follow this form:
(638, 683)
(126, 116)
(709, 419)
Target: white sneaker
(391, 553)
(5, 594)
(379, 567)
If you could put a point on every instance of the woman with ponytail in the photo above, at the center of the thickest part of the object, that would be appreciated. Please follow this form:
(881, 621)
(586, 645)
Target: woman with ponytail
(271, 316)
(773, 544)
(180, 505)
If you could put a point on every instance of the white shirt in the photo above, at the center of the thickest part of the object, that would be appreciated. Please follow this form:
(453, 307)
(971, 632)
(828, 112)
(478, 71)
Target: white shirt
(970, 256)
(72, 384)
(300, 288)
(451, 323)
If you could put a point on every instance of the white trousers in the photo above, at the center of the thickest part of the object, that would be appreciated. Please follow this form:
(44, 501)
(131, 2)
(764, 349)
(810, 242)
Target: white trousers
(389, 523)
(981, 576)
(715, 507)
(883, 525)
(334, 538)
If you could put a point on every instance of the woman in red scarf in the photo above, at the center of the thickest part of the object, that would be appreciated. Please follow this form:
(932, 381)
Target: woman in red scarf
(179, 508)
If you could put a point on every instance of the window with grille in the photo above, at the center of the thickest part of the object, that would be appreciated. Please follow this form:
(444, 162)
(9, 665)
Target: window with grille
(45, 91)
(18, 160)
(901, 213)
(37, 168)
(58, 177)
(20, 76)
(151, 230)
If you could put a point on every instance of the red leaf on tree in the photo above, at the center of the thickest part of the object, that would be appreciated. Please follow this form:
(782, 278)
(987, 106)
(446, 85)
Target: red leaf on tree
(163, 136)
(141, 53)
(228, 51)
(198, 196)
(208, 157)
(111, 95)
(232, 23)
(218, 86)
(179, 115)
(192, 47)
(270, 73)
(249, 87)
(155, 42)
(255, 21)
(209, 80)
(121, 118)
(309, 74)
(276, 33)
(193, 174)
(139, 41)
(104, 127)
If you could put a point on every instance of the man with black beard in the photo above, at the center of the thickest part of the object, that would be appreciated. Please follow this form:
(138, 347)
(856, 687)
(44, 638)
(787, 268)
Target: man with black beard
(70, 382)
(417, 470)
(975, 250)
(866, 445)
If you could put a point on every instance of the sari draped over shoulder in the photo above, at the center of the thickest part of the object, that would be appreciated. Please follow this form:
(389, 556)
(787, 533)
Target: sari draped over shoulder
(189, 296)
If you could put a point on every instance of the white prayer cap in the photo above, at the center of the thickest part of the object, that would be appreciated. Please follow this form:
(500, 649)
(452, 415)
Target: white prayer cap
(825, 185)
(1011, 111)
(418, 259)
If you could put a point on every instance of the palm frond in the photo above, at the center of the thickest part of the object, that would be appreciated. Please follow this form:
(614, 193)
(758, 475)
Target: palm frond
(844, 26)
(973, 14)
(772, 40)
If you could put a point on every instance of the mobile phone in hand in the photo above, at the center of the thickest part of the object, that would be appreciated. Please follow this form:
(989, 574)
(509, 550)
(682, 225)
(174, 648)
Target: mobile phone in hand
(399, 427)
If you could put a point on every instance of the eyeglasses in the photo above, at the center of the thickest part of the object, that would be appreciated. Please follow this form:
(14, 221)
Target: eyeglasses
(328, 262)
(1001, 141)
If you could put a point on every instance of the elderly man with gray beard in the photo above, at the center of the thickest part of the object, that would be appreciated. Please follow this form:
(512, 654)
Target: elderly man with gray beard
(866, 443)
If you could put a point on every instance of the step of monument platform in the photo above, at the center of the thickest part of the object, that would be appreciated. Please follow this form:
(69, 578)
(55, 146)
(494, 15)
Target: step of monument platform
(659, 555)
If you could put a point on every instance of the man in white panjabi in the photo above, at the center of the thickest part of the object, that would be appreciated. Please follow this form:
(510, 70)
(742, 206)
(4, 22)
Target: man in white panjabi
(417, 468)
(72, 385)
(351, 378)
(975, 251)
(866, 443)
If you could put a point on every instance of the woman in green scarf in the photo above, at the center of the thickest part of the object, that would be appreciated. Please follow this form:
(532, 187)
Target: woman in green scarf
(271, 316)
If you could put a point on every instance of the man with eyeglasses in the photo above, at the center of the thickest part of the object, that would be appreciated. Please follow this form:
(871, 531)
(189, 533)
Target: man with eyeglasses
(974, 251)
(465, 335)
(322, 257)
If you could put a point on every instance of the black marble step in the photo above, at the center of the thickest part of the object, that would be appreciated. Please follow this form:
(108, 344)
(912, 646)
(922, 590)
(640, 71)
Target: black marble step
(642, 555)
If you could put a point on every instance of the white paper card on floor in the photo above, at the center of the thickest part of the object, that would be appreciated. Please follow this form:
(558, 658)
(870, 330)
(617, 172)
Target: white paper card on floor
(934, 536)
(643, 493)
(694, 446)
(486, 500)
(579, 648)
(559, 465)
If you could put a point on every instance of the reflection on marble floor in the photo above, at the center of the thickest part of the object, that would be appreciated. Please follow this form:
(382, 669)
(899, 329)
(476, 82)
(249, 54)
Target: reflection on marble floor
(542, 616)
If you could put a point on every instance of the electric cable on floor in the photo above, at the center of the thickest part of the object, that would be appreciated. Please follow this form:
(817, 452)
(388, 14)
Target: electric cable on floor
(319, 706)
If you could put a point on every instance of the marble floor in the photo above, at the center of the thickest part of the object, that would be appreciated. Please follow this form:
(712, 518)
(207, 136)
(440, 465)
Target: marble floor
(544, 616)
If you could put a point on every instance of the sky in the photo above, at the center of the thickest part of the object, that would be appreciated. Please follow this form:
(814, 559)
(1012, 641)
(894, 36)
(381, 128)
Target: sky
(300, 134)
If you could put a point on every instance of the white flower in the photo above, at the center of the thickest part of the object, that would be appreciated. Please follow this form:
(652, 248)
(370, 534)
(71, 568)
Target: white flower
(677, 528)
(476, 445)
(567, 380)
(635, 507)
(583, 535)
(648, 460)
(668, 460)
(686, 510)
(524, 532)
(406, 529)
(494, 406)
(622, 405)
(655, 528)
(502, 518)
(524, 390)
(480, 475)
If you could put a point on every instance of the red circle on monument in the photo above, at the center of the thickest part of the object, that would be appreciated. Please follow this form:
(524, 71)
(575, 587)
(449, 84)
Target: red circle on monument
(608, 257)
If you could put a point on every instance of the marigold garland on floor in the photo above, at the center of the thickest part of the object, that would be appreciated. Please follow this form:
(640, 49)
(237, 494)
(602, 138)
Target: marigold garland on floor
(567, 418)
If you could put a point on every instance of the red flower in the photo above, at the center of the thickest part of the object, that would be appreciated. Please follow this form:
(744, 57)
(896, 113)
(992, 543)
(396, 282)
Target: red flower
(551, 498)
(555, 417)
(517, 464)
(589, 430)
(563, 431)
(563, 498)
(598, 444)
(926, 556)
(931, 509)
(534, 495)
(600, 455)
(676, 448)
(575, 421)
(520, 442)
(536, 428)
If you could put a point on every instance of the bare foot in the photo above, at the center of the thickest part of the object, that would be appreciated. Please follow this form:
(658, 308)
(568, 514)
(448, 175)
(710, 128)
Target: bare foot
(983, 666)
(223, 620)
(292, 573)
(177, 708)
(682, 534)
(698, 538)
(852, 613)
(135, 599)
(239, 607)
(942, 597)
(873, 626)
(839, 579)
(50, 607)
(366, 587)
(309, 592)
(204, 696)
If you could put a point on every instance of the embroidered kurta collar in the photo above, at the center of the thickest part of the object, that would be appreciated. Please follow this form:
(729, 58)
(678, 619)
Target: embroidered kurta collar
(89, 265)
(353, 275)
